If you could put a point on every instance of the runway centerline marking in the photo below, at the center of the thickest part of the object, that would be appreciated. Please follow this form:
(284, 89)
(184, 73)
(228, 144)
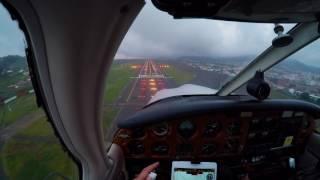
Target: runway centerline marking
(135, 82)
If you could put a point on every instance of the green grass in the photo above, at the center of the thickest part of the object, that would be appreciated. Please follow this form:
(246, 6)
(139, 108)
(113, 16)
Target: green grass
(40, 128)
(180, 76)
(17, 109)
(118, 77)
(25, 156)
(35, 152)
(278, 94)
(108, 115)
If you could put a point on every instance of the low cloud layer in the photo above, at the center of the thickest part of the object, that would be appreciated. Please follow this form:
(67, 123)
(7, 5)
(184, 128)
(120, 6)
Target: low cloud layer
(156, 34)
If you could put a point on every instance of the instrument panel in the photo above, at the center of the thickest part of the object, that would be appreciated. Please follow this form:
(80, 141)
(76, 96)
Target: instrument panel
(217, 135)
(242, 136)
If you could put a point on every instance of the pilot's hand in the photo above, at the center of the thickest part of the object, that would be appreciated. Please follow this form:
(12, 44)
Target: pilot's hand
(143, 175)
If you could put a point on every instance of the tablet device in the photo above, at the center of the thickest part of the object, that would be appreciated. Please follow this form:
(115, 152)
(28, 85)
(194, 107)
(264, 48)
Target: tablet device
(185, 170)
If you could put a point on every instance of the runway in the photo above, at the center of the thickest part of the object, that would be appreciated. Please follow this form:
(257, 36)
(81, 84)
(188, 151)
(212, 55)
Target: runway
(150, 79)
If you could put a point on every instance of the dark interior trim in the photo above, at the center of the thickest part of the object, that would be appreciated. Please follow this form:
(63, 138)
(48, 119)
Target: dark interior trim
(195, 105)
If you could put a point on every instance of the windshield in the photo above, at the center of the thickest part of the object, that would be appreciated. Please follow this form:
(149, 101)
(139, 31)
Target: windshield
(297, 77)
(159, 52)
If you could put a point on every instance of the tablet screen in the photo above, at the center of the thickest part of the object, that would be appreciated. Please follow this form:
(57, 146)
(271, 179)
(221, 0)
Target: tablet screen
(194, 174)
(185, 170)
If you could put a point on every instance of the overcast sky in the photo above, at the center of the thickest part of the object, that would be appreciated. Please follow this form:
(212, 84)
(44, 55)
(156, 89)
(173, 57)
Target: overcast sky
(156, 34)
(11, 38)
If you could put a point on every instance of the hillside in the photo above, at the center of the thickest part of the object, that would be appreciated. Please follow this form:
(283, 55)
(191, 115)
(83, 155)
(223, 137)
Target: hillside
(294, 65)
(12, 62)
(13, 75)
(240, 60)
(288, 64)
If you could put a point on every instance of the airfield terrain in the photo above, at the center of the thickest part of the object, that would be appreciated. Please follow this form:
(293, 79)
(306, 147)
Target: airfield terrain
(28, 145)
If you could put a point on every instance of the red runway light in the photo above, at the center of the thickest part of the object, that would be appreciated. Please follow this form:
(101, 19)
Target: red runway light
(153, 89)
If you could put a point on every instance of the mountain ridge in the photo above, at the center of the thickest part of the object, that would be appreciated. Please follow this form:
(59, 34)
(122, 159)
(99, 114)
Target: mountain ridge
(13, 63)
(288, 64)
(16, 62)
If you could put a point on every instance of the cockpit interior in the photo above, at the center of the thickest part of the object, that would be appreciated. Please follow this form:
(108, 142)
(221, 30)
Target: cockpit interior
(265, 139)
(193, 132)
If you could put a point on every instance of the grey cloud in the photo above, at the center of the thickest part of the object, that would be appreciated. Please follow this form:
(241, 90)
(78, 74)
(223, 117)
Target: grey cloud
(310, 54)
(155, 33)
(194, 36)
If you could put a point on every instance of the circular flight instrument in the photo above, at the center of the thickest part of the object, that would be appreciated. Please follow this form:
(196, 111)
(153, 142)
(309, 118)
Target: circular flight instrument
(160, 148)
(138, 133)
(136, 147)
(211, 129)
(186, 129)
(208, 149)
(161, 129)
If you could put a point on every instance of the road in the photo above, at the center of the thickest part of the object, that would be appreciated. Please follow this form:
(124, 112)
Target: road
(149, 80)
